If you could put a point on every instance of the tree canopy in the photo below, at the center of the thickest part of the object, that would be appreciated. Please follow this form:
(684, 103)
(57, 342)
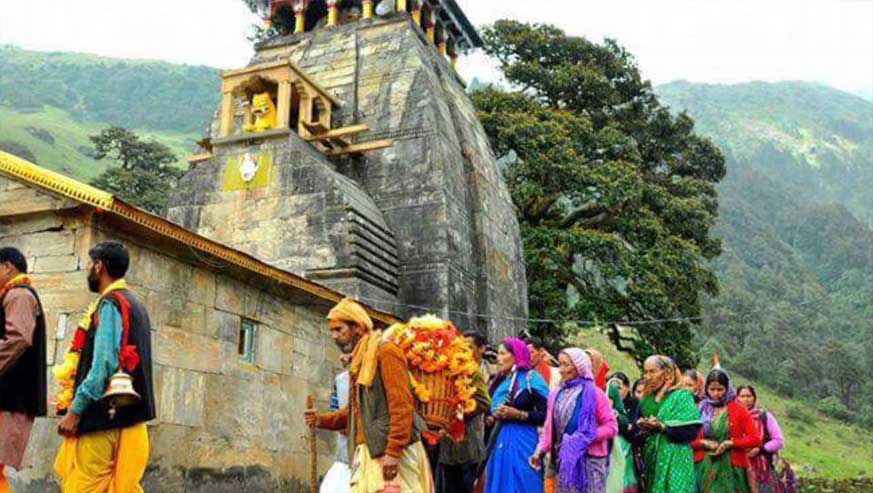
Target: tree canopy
(615, 196)
(146, 173)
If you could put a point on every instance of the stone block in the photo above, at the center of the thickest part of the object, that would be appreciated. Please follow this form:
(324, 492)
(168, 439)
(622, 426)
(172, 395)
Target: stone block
(181, 396)
(28, 201)
(30, 224)
(202, 291)
(43, 243)
(275, 350)
(182, 349)
(55, 263)
(236, 413)
(224, 326)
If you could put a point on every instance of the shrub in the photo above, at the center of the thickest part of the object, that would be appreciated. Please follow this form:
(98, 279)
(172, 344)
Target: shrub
(834, 407)
(800, 413)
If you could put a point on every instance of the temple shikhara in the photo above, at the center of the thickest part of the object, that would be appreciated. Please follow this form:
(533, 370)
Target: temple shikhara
(348, 152)
(345, 160)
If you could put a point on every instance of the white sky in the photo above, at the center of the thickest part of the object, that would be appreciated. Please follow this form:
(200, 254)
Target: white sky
(829, 41)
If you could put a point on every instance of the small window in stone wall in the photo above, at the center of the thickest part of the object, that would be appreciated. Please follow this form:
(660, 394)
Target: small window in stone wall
(248, 341)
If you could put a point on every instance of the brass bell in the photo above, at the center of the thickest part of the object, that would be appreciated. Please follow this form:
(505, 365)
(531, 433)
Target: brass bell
(120, 392)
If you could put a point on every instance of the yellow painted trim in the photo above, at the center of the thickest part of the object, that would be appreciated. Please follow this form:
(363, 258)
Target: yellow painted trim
(55, 182)
(300, 22)
(32, 174)
(199, 158)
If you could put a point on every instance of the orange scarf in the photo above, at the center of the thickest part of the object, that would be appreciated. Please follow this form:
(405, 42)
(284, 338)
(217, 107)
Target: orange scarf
(365, 355)
(15, 281)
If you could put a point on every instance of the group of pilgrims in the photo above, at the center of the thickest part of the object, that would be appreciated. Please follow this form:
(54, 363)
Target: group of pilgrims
(544, 424)
(539, 424)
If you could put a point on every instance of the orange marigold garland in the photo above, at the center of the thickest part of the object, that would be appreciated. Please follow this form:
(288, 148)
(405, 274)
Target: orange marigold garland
(435, 347)
(65, 373)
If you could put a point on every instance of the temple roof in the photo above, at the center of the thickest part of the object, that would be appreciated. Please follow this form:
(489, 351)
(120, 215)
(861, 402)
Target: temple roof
(126, 218)
(452, 12)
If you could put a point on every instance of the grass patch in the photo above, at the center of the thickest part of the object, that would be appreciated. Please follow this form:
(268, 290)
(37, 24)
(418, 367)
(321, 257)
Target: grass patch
(63, 152)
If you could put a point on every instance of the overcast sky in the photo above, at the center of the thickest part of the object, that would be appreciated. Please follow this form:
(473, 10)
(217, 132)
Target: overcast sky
(829, 41)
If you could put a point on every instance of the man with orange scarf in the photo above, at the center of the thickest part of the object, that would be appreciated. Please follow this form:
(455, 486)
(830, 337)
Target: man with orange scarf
(382, 424)
(22, 361)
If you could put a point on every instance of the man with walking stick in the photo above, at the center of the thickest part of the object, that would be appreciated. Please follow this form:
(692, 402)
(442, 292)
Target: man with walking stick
(383, 429)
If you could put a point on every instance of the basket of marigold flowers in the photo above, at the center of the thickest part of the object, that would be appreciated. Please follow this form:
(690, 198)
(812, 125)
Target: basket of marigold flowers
(442, 368)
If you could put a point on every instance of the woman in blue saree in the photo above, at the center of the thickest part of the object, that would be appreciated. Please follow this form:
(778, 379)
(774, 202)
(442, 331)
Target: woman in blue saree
(518, 407)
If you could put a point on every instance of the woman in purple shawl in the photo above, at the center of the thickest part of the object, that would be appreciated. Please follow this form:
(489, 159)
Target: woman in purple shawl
(579, 426)
(518, 406)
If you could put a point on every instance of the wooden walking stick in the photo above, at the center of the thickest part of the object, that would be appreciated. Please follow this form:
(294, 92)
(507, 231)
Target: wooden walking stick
(313, 451)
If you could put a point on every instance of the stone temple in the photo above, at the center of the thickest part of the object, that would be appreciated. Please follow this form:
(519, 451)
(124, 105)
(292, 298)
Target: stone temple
(346, 159)
(349, 153)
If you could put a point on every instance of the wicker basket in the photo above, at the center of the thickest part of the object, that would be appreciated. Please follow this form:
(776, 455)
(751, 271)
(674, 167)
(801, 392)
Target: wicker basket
(438, 412)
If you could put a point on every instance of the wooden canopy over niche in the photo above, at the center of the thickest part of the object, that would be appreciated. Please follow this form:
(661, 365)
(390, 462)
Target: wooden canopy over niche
(292, 91)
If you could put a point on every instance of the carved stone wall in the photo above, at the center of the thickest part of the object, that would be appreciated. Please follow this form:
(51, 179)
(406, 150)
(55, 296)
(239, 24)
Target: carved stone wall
(222, 426)
(438, 190)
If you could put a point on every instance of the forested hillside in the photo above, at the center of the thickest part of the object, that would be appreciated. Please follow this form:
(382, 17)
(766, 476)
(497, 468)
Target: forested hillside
(51, 102)
(796, 299)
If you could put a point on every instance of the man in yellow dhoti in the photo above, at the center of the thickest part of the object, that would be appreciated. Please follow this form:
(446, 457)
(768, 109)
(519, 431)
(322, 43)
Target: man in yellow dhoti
(384, 429)
(106, 448)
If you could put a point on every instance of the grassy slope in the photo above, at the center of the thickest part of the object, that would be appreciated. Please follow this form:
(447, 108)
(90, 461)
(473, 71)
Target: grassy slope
(63, 155)
(815, 444)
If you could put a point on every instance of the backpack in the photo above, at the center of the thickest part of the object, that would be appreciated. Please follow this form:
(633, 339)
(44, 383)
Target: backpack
(770, 457)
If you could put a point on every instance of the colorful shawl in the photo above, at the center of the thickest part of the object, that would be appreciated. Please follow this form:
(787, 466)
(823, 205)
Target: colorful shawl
(514, 383)
(708, 405)
(669, 466)
(581, 419)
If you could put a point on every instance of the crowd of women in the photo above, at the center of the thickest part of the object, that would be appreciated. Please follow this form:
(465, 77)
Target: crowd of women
(578, 429)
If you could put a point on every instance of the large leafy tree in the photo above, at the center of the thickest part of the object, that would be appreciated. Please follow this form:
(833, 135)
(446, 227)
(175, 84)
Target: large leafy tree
(615, 195)
(146, 174)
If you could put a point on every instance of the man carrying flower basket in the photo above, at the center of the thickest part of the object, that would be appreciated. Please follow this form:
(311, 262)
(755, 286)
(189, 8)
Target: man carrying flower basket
(382, 424)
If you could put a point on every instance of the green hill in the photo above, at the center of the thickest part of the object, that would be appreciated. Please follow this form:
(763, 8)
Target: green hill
(817, 140)
(796, 272)
(51, 102)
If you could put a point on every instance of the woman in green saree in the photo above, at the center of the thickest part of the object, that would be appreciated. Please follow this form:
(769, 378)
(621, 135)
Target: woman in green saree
(669, 421)
(721, 451)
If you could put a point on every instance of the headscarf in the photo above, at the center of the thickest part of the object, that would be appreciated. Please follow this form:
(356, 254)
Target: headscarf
(581, 361)
(507, 385)
(667, 364)
(519, 349)
(572, 475)
(599, 367)
(708, 404)
(365, 355)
